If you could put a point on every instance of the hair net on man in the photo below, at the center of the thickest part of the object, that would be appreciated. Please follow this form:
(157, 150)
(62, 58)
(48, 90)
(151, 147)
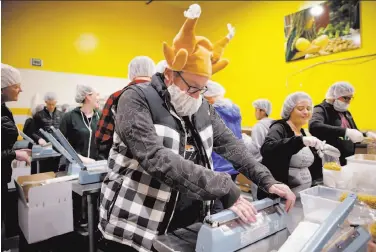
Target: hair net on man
(161, 66)
(50, 96)
(65, 107)
(263, 104)
(339, 89)
(214, 89)
(291, 101)
(82, 91)
(141, 66)
(9, 76)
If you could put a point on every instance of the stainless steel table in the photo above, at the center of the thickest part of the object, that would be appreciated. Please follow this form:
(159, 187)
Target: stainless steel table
(174, 242)
(88, 191)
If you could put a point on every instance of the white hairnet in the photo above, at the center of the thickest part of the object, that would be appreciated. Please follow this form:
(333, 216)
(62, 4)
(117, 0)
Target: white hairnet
(37, 108)
(161, 66)
(214, 89)
(50, 96)
(82, 91)
(65, 107)
(263, 104)
(9, 76)
(339, 89)
(141, 66)
(291, 101)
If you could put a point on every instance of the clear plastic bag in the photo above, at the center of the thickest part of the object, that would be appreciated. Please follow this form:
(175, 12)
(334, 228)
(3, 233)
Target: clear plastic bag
(332, 172)
(331, 163)
(371, 145)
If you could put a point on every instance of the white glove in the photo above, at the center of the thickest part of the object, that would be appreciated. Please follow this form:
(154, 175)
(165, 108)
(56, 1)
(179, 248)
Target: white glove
(314, 142)
(371, 135)
(231, 31)
(193, 12)
(355, 135)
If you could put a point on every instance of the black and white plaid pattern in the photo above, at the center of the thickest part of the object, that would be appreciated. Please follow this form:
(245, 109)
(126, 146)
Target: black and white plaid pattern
(207, 140)
(133, 203)
(168, 137)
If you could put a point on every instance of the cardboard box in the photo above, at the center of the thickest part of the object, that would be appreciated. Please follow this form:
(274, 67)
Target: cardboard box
(44, 211)
(244, 183)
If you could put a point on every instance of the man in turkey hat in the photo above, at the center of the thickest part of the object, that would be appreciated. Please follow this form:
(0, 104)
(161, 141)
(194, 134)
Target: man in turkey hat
(160, 170)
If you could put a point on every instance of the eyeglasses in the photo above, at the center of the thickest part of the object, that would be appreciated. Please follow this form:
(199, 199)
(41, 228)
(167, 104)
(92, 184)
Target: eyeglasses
(347, 98)
(192, 89)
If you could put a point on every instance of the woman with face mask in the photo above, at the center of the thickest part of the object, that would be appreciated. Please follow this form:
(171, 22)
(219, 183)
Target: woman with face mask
(331, 120)
(287, 151)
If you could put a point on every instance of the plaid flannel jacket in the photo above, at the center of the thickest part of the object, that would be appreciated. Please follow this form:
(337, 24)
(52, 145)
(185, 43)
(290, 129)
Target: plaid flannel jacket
(105, 128)
(147, 170)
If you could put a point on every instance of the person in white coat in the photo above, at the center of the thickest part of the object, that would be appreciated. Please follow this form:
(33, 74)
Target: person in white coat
(263, 108)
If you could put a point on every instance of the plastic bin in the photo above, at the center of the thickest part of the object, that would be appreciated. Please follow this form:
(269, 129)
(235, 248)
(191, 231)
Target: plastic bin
(319, 201)
(335, 179)
(362, 168)
(362, 159)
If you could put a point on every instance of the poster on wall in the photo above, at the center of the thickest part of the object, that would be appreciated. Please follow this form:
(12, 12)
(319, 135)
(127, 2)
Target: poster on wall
(323, 29)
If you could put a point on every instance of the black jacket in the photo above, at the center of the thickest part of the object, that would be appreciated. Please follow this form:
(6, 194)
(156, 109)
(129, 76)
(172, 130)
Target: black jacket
(279, 146)
(9, 134)
(326, 125)
(43, 120)
(74, 129)
(30, 129)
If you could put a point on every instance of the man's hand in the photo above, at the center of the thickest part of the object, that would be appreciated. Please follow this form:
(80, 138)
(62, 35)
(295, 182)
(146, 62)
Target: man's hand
(244, 209)
(284, 191)
(42, 142)
(24, 155)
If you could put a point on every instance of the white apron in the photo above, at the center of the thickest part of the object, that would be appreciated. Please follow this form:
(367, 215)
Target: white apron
(299, 174)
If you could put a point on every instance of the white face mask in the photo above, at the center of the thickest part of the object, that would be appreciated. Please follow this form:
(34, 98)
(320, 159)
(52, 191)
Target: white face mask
(184, 104)
(340, 106)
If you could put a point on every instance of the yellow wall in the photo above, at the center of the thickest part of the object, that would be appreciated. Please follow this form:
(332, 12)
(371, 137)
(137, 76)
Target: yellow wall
(49, 30)
(257, 64)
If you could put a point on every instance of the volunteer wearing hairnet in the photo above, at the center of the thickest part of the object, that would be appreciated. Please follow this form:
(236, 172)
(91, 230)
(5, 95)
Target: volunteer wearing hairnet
(158, 182)
(140, 70)
(263, 108)
(65, 108)
(161, 66)
(29, 127)
(286, 149)
(230, 114)
(47, 117)
(10, 89)
(80, 124)
(331, 120)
